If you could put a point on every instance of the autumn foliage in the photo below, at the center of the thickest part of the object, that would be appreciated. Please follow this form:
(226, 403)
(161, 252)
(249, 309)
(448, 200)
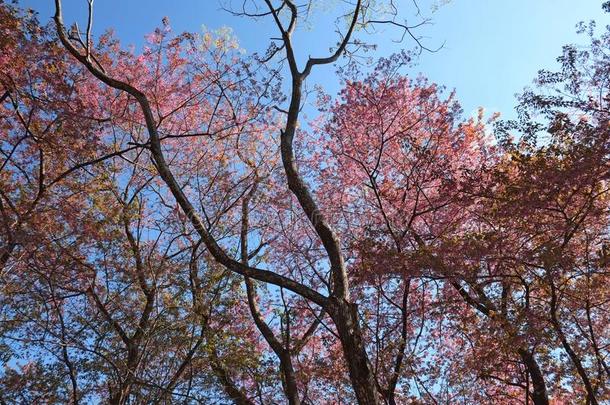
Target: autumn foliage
(172, 230)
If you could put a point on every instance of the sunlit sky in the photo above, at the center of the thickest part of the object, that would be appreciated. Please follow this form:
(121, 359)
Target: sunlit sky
(492, 48)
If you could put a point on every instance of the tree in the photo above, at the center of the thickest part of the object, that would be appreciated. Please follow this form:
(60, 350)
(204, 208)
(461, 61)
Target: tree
(338, 305)
(97, 284)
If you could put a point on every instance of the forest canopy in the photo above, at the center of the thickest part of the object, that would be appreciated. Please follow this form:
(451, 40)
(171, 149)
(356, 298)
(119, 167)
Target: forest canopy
(173, 228)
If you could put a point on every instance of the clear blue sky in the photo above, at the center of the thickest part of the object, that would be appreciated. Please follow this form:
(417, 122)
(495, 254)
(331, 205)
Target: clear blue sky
(493, 48)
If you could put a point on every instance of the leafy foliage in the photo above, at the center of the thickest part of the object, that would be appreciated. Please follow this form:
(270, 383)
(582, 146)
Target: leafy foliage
(170, 233)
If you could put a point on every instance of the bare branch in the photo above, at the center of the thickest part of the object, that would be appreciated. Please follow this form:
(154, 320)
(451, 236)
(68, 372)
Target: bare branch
(332, 58)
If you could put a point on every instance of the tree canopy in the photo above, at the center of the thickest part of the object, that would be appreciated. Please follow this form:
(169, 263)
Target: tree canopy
(173, 230)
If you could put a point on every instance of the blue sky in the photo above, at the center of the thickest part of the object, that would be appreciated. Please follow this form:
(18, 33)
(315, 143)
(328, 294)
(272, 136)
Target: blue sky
(493, 48)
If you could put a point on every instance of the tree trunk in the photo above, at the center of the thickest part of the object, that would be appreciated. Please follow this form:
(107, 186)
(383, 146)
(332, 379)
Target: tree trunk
(345, 317)
(290, 383)
(538, 394)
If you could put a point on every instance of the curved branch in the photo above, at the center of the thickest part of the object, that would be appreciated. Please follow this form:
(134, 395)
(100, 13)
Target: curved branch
(167, 176)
